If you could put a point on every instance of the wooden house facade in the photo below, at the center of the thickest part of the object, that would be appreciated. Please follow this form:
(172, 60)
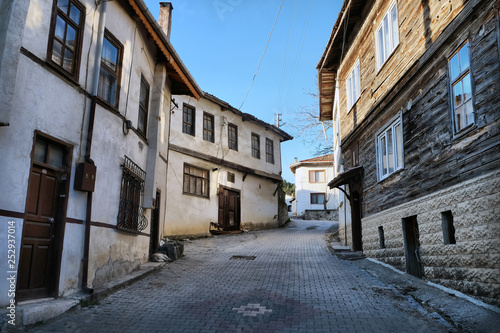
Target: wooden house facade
(413, 88)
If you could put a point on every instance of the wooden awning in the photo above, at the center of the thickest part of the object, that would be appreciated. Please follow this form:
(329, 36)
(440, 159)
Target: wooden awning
(350, 176)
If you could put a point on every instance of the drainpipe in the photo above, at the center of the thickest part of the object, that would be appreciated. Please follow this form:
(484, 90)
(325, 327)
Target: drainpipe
(90, 133)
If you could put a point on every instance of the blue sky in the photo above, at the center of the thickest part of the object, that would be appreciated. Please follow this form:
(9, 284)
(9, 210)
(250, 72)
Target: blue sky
(221, 43)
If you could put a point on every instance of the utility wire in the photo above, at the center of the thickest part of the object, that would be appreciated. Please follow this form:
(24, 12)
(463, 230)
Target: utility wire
(262, 57)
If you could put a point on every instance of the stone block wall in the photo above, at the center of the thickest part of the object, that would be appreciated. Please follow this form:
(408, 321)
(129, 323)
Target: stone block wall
(321, 214)
(472, 265)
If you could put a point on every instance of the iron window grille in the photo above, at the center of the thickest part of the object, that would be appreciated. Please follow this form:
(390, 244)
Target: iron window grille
(131, 214)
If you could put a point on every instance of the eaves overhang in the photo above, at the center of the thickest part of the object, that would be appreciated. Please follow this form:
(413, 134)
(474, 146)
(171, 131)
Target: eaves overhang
(182, 81)
(350, 176)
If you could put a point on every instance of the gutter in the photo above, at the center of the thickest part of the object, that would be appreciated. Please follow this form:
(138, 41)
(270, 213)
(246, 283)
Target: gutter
(88, 148)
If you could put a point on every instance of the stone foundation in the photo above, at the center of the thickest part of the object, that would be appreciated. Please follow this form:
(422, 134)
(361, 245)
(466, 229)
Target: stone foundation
(323, 214)
(471, 265)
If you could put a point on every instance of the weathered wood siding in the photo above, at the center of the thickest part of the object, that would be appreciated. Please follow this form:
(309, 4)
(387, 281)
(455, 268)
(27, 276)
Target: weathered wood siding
(433, 157)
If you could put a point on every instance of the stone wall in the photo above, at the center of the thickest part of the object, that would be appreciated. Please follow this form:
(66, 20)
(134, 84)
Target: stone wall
(472, 264)
(321, 214)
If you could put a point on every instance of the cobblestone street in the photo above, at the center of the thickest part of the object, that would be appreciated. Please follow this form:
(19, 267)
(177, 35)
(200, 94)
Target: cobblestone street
(294, 284)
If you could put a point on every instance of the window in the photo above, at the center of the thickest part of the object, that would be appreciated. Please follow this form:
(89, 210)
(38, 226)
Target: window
(317, 198)
(269, 151)
(255, 145)
(387, 35)
(463, 111)
(232, 136)
(353, 86)
(143, 107)
(448, 228)
(208, 127)
(130, 213)
(109, 76)
(381, 237)
(66, 33)
(188, 118)
(50, 153)
(390, 149)
(195, 181)
(317, 176)
(230, 177)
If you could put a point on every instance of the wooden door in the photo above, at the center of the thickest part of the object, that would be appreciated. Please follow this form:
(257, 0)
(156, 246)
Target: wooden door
(357, 241)
(229, 209)
(36, 269)
(155, 226)
(412, 247)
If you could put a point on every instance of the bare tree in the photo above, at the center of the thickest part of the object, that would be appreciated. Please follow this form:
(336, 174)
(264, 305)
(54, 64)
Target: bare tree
(306, 126)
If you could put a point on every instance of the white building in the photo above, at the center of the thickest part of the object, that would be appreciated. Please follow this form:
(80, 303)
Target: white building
(85, 107)
(224, 166)
(311, 186)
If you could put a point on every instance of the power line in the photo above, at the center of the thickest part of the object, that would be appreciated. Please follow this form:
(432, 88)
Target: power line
(262, 57)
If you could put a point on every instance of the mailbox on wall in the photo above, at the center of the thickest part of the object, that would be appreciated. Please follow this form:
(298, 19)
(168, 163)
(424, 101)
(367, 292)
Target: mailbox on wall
(85, 177)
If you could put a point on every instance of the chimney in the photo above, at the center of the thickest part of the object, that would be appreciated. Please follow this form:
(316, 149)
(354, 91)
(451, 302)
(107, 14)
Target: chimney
(165, 17)
(296, 160)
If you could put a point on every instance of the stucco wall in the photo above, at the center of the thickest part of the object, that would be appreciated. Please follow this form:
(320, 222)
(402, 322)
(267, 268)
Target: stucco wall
(472, 264)
(303, 189)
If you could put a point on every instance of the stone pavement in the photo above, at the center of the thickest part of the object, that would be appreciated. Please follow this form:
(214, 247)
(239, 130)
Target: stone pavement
(282, 280)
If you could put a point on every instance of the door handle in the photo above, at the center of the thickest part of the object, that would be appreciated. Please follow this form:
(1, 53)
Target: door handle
(50, 220)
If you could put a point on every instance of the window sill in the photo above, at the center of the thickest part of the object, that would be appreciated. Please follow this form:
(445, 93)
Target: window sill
(390, 175)
(388, 59)
(466, 131)
(196, 195)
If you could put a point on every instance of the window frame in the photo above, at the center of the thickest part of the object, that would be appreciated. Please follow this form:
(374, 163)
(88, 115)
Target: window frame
(189, 127)
(255, 147)
(144, 109)
(314, 178)
(269, 153)
(316, 196)
(350, 85)
(206, 130)
(115, 73)
(380, 46)
(459, 79)
(130, 212)
(397, 154)
(79, 29)
(191, 176)
(232, 136)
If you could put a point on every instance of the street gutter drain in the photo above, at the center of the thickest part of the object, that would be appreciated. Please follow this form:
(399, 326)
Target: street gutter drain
(243, 257)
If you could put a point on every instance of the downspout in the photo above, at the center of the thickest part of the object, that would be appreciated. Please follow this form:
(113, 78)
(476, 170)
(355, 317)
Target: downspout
(88, 148)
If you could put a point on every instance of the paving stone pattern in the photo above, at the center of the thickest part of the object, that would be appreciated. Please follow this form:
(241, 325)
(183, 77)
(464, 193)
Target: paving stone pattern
(294, 284)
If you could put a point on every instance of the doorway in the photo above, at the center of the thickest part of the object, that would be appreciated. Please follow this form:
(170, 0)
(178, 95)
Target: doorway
(155, 226)
(412, 246)
(229, 209)
(43, 229)
(357, 242)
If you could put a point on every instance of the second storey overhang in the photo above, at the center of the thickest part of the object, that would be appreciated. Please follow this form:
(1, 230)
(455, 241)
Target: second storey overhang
(182, 81)
(336, 48)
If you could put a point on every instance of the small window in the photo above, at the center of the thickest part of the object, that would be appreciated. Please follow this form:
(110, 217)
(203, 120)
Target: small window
(208, 127)
(195, 181)
(317, 176)
(353, 86)
(130, 213)
(188, 119)
(109, 76)
(232, 136)
(269, 151)
(50, 153)
(461, 88)
(387, 35)
(143, 106)
(255, 145)
(390, 149)
(381, 237)
(230, 177)
(448, 228)
(317, 198)
(66, 33)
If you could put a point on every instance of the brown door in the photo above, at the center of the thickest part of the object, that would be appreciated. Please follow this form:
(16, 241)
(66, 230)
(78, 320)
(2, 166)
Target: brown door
(36, 278)
(229, 209)
(412, 247)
